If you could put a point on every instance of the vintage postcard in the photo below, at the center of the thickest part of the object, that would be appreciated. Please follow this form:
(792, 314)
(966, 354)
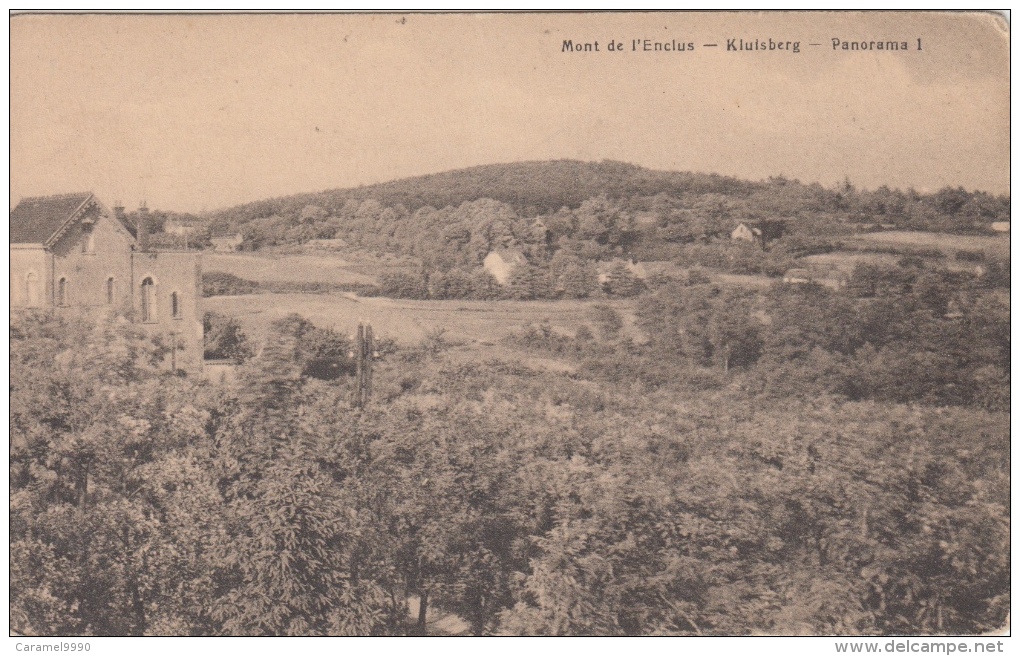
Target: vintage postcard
(510, 324)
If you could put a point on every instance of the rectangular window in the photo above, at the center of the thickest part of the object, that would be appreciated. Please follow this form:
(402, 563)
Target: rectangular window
(88, 241)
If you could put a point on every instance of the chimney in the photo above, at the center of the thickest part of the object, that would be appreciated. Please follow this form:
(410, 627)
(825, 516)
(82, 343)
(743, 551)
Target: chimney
(118, 210)
(143, 228)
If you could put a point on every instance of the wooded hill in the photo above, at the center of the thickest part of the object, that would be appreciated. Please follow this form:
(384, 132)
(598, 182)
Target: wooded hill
(529, 187)
(532, 189)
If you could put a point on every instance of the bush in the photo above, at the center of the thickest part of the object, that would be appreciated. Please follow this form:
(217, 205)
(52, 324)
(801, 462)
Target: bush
(453, 284)
(296, 287)
(404, 284)
(224, 338)
(970, 256)
(219, 283)
(607, 320)
(316, 352)
(621, 282)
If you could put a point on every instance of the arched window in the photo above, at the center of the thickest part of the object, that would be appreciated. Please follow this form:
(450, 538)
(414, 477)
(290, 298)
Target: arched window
(109, 291)
(148, 300)
(175, 306)
(32, 289)
(62, 292)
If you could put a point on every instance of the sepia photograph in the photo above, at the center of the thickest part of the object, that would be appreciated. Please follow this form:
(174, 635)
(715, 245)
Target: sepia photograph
(688, 324)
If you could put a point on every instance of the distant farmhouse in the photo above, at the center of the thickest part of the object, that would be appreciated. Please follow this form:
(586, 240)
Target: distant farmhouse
(1000, 226)
(502, 261)
(71, 255)
(226, 243)
(747, 232)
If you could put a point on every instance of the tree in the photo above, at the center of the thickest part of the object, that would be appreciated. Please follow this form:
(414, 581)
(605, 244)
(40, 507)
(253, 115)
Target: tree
(288, 567)
(528, 282)
(452, 284)
(607, 320)
(599, 220)
(621, 282)
(224, 338)
(484, 286)
(579, 280)
(735, 335)
(771, 230)
(100, 440)
(404, 284)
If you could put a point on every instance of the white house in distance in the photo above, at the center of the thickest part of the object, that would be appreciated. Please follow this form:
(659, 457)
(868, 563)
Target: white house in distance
(1000, 226)
(502, 261)
(746, 232)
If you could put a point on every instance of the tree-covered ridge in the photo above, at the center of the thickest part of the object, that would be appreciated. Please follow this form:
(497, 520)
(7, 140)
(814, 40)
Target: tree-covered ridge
(670, 206)
(529, 187)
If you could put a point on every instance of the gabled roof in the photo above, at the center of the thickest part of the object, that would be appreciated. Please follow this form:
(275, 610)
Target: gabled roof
(38, 219)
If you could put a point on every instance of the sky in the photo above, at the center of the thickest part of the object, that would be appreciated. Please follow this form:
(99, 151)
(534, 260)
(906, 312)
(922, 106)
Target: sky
(200, 112)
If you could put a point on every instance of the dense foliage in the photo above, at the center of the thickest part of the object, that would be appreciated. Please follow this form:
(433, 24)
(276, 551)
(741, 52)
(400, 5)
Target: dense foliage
(521, 500)
(904, 335)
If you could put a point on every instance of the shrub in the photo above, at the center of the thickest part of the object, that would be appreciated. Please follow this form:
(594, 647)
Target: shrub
(970, 256)
(607, 320)
(219, 283)
(404, 284)
(621, 282)
(224, 338)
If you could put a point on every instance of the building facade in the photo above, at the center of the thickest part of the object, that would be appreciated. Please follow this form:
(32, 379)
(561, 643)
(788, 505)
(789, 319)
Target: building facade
(72, 254)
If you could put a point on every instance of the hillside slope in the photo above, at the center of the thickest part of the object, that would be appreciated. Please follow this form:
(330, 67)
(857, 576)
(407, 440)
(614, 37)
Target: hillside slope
(530, 187)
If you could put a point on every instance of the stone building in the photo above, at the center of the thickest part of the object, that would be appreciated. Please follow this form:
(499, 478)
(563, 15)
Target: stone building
(72, 254)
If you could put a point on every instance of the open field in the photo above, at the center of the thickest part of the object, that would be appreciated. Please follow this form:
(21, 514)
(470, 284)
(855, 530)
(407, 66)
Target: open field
(994, 245)
(273, 267)
(742, 280)
(846, 262)
(481, 323)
